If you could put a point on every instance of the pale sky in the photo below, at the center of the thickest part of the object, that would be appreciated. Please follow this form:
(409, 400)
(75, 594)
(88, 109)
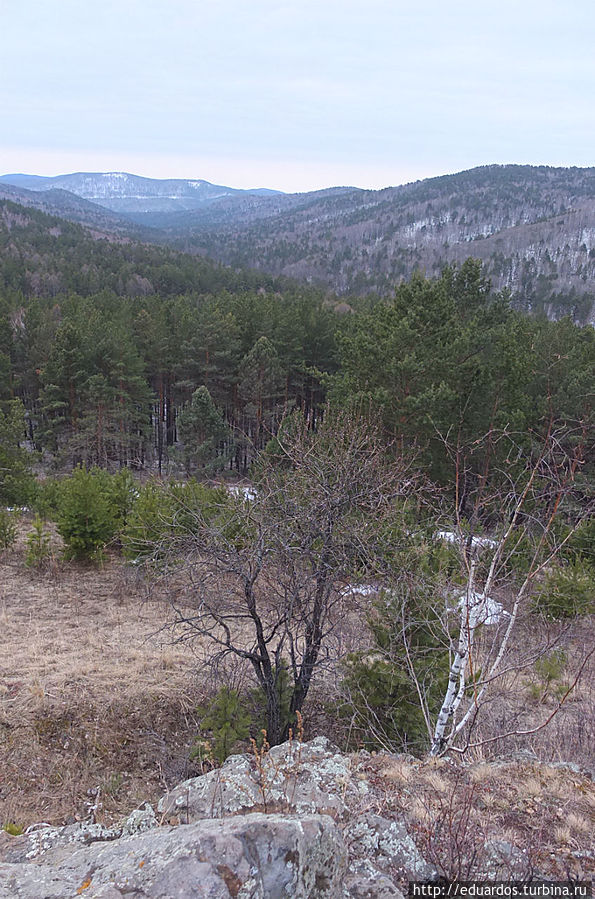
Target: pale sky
(295, 96)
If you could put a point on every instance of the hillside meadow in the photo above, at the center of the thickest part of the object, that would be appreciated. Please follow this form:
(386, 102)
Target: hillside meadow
(100, 709)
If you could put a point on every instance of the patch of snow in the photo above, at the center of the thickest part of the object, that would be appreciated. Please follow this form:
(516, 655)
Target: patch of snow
(482, 542)
(411, 229)
(481, 609)
(244, 491)
(359, 590)
(127, 196)
(588, 237)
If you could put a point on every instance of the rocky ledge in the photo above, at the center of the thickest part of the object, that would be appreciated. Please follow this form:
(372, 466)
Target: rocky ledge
(303, 821)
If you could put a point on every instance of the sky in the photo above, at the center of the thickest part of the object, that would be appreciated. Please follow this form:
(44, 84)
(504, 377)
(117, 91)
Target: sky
(295, 96)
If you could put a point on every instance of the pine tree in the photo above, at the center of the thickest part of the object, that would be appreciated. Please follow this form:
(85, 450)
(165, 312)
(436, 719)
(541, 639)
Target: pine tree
(62, 380)
(260, 388)
(16, 481)
(201, 429)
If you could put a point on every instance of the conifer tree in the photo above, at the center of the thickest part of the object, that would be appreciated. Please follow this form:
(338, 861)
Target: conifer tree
(260, 388)
(201, 429)
(16, 481)
(62, 379)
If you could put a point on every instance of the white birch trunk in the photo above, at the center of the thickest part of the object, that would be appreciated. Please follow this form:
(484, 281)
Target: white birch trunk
(457, 675)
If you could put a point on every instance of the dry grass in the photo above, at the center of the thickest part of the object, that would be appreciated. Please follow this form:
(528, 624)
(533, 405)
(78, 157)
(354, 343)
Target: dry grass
(91, 692)
(453, 811)
(86, 633)
(580, 825)
(522, 700)
(398, 770)
(480, 772)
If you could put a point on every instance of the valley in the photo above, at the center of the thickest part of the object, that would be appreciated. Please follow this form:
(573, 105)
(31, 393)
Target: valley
(533, 227)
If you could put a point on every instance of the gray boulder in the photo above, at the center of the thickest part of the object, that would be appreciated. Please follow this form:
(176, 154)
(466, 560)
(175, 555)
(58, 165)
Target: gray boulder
(365, 881)
(387, 845)
(306, 778)
(60, 841)
(254, 856)
(56, 843)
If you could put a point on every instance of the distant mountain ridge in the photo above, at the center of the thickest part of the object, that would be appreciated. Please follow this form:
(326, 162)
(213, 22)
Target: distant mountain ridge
(532, 226)
(69, 206)
(125, 193)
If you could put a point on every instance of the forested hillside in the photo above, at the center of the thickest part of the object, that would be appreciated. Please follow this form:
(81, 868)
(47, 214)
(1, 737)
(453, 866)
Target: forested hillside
(69, 206)
(105, 342)
(125, 354)
(45, 255)
(532, 226)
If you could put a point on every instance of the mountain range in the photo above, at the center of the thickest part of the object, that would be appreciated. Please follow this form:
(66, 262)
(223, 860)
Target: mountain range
(532, 226)
(128, 194)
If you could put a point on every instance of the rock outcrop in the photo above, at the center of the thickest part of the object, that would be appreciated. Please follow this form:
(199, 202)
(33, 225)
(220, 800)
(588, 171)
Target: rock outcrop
(291, 822)
(254, 855)
(302, 820)
(300, 778)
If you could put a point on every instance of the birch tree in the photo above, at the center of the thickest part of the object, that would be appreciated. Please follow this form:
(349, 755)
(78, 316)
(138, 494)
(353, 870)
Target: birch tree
(538, 503)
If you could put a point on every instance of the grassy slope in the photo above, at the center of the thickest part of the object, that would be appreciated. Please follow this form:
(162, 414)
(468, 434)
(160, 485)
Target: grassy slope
(93, 695)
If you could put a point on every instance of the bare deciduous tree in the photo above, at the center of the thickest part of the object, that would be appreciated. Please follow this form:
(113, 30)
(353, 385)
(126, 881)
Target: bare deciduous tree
(263, 580)
(457, 626)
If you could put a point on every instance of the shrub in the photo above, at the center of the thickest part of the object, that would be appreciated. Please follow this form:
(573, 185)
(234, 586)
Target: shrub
(38, 545)
(381, 695)
(46, 498)
(579, 546)
(567, 592)
(283, 684)
(148, 522)
(162, 510)
(191, 499)
(550, 671)
(228, 721)
(8, 530)
(86, 517)
(120, 490)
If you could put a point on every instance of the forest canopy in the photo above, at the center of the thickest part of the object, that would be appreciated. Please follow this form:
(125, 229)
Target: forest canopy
(128, 355)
